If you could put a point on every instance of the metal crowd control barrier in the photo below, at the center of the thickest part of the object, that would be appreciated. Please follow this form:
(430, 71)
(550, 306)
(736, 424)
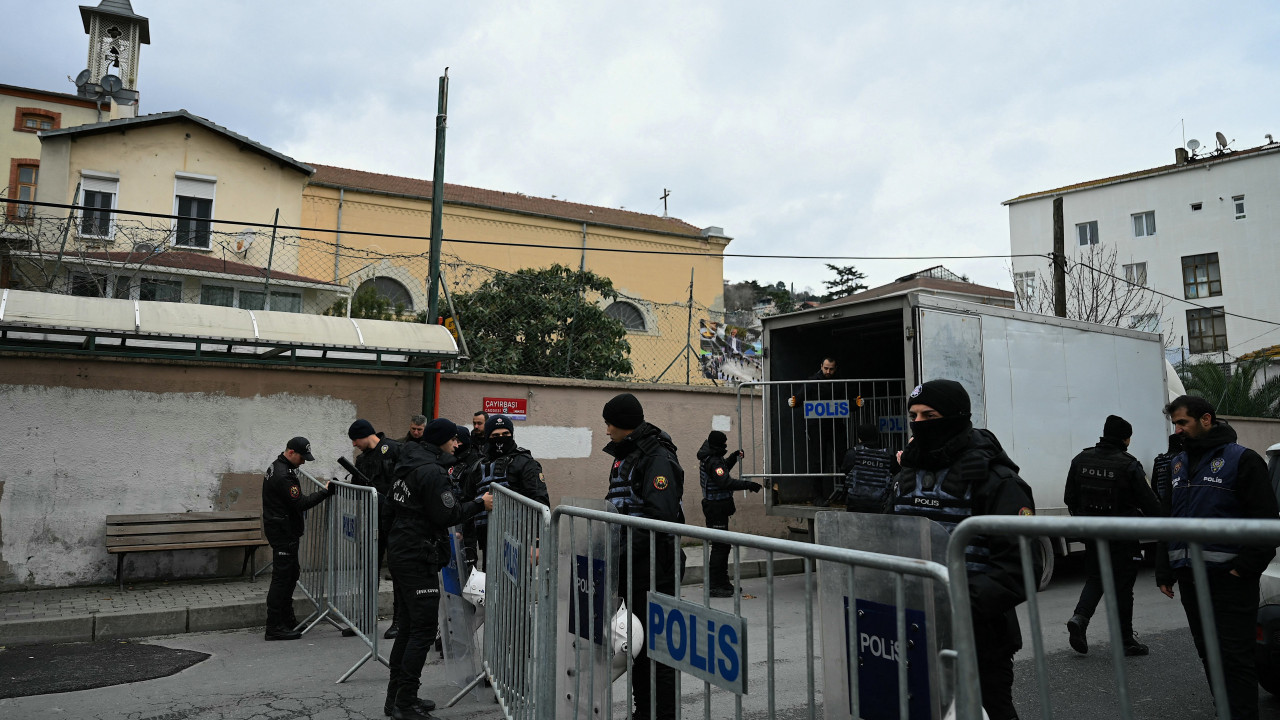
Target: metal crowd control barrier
(339, 563)
(515, 590)
(807, 425)
(1195, 532)
(591, 536)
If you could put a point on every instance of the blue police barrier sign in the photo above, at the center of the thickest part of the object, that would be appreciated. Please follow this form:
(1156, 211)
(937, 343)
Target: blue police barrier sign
(706, 643)
(512, 551)
(892, 424)
(877, 665)
(819, 409)
(590, 593)
(350, 526)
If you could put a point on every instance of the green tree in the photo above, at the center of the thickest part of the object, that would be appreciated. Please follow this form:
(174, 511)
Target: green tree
(848, 281)
(367, 304)
(541, 322)
(1234, 393)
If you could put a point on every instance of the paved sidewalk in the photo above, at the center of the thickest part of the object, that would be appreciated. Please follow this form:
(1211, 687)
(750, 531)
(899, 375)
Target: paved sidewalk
(104, 612)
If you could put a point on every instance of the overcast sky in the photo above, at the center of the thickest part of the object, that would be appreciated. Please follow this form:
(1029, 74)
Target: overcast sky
(808, 128)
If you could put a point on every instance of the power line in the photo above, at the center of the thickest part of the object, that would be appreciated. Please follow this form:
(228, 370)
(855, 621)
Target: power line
(575, 248)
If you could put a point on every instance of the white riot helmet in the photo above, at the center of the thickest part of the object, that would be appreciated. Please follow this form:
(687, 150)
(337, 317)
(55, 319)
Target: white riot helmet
(473, 590)
(619, 624)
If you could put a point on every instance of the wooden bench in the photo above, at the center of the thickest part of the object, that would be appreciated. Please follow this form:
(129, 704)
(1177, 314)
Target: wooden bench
(183, 531)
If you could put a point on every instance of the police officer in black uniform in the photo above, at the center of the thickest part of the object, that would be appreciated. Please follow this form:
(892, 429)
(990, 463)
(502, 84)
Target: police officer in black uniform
(646, 480)
(282, 506)
(377, 463)
(951, 471)
(1105, 480)
(1216, 477)
(714, 474)
(426, 506)
(868, 474)
(508, 465)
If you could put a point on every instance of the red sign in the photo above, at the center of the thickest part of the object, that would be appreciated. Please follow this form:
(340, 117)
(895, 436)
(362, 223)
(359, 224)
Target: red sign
(514, 408)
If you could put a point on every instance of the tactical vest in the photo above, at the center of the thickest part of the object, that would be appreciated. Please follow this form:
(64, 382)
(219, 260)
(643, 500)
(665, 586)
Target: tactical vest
(621, 492)
(1099, 477)
(868, 482)
(713, 481)
(945, 498)
(1162, 477)
(1199, 493)
(491, 473)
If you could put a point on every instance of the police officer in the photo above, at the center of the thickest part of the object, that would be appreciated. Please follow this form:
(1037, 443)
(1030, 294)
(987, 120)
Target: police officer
(377, 463)
(1215, 477)
(1162, 473)
(508, 465)
(714, 474)
(1105, 480)
(425, 508)
(951, 471)
(282, 506)
(646, 480)
(868, 474)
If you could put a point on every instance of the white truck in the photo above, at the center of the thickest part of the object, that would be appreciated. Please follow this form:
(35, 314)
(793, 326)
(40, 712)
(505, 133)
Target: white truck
(1044, 385)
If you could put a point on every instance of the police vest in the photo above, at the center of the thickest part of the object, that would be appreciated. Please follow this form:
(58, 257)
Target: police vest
(712, 481)
(621, 491)
(491, 473)
(946, 499)
(1099, 477)
(1199, 493)
(868, 481)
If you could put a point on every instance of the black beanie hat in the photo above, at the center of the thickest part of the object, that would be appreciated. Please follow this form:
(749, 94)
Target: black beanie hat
(498, 421)
(360, 429)
(624, 411)
(717, 439)
(464, 436)
(439, 431)
(948, 397)
(1117, 428)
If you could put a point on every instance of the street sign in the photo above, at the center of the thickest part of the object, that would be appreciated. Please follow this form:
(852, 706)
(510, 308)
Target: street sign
(514, 408)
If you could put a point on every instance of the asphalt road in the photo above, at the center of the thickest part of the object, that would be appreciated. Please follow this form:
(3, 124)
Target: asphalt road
(245, 677)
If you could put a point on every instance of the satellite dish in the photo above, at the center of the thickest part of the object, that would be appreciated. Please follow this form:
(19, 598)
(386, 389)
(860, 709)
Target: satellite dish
(83, 78)
(1193, 144)
(111, 83)
(1222, 140)
(244, 240)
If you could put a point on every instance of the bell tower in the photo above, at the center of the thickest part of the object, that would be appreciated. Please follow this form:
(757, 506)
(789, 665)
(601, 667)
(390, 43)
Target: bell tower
(115, 35)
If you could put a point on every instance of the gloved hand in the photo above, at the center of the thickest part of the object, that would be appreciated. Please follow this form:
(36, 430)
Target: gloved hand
(740, 453)
(754, 486)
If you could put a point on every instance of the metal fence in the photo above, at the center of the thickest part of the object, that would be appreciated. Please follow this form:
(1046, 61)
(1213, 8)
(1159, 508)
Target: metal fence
(808, 425)
(1195, 532)
(339, 563)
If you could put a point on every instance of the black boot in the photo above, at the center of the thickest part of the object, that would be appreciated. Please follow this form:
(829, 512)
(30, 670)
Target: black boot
(1076, 627)
(409, 706)
(392, 631)
(282, 633)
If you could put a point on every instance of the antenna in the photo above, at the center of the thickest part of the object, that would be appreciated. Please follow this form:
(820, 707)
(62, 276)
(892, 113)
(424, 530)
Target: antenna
(83, 78)
(1193, 144)
(1222, 141)
(111, 84)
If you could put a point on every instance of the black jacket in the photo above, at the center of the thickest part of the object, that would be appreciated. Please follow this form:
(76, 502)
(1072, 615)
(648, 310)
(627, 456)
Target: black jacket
(523, 474)
(646, 459)
(379, 466)
(283, 502)
(714, 471)
(426, 506)
(1133, 496)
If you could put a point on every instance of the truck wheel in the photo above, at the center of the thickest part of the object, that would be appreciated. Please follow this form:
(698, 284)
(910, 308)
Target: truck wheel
(1043, 549)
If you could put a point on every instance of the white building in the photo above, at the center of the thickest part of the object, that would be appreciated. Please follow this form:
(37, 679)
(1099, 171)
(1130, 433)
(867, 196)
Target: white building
(1203, 230)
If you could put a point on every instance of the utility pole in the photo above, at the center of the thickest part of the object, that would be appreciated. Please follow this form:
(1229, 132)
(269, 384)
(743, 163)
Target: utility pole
(437, 233)
(1059, 261)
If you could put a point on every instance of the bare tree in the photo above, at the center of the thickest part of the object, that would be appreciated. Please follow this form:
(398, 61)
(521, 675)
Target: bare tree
(1098, 291)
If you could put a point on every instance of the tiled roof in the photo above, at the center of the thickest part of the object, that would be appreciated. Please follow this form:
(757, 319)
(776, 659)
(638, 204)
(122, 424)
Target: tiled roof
(176, 116)
(1138, 175)
(922, 283)
(199, 262)
(514, 202)
(33, 93)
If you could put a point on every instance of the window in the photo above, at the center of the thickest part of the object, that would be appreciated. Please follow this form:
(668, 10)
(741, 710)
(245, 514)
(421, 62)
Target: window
(36, 122)
(1196, 206)
(1136, 273)
(1206, 330)
(1144, 224)
(1146, 322)
(193, 203)
(159, 289)
(1200, 276)
(1087, 233)
(23, 176)
(1238, 201)
(629, 315)
(33, 119)
(83, 285)
(217, 295)
(98, 196)
(227, 296)
(1024, 286)
(392, 290)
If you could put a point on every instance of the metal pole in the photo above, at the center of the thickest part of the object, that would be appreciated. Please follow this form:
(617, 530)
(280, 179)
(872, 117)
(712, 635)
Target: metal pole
(437, 229)
(1059, 261)
(337, 237)
(65, 229)
(688, 331)
(271, 254)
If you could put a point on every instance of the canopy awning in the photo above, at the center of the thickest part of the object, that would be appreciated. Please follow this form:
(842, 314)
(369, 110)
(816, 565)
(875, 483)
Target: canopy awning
(54, 323)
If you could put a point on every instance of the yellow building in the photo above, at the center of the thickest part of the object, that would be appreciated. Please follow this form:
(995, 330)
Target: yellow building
(487, 231)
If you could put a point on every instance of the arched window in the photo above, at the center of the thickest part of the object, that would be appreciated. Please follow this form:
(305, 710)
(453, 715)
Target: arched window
(392, 290)
(629, 315)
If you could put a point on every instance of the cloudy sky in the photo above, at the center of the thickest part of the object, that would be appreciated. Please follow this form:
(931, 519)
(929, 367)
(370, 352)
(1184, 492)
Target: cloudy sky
(810, 128)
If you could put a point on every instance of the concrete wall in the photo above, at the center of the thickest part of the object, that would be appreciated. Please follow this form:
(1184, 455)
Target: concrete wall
(1257, 434)
(85, 438)
(565, 432)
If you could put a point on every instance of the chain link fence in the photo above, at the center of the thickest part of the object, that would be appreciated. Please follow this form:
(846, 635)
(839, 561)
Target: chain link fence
(550, 321)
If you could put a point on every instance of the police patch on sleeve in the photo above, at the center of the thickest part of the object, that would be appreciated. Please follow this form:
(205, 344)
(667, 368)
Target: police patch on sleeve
(448, 499)
(1026, 511)
(384, 448)
(660, 482)
(719, 471)
(295, 492)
